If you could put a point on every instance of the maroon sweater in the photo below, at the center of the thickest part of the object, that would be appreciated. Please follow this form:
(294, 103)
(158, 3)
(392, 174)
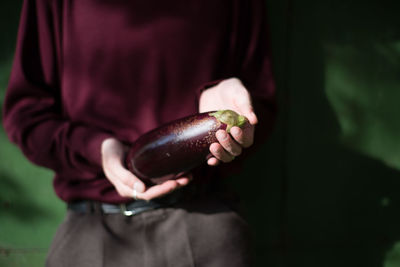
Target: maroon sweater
(87, 70)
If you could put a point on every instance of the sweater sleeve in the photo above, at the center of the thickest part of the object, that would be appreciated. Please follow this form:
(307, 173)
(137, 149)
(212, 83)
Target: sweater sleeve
(253, 64)
(250, 61)
(32, 111)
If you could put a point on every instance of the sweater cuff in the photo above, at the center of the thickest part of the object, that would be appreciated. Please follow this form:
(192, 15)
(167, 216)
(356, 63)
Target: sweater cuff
(88, 142)
(94, 148)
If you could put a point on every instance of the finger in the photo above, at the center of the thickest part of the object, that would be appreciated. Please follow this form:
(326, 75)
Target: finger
(129, 185)
(158, 190)
(120, 173)
(247, 111)
(228, 143)
(122, 179)
(184, 180)
(245, 137)
(122, 189)
(242, 101)
(121, 185)
(213, 161)
(251, 116)
(219, 152)
(165, 188)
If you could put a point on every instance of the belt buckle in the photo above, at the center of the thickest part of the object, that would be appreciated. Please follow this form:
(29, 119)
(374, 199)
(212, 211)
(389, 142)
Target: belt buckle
(125, 211)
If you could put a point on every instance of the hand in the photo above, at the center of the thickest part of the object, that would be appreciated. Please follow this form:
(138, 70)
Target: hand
(113, 155)
(229, 94)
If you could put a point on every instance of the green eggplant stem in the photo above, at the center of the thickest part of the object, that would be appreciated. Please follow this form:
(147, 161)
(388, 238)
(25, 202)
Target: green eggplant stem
(230, 118)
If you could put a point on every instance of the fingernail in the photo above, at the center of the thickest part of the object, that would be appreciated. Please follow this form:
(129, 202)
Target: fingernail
(222, 135)
(139, 187)
(254, 119)
(235, 131)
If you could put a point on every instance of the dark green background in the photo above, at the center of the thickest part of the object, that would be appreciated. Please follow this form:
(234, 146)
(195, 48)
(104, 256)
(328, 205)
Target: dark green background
(328, 178)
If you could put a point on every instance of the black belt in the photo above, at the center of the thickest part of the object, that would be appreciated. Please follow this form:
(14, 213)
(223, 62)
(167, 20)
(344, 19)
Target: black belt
(127, 209)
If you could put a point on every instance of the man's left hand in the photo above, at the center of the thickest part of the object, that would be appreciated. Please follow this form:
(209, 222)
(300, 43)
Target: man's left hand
(229, 94)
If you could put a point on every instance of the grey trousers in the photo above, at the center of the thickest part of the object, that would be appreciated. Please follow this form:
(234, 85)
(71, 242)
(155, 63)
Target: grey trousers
(199, 232)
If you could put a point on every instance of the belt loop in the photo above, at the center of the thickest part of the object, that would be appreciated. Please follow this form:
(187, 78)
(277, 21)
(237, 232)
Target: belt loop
(95, 207)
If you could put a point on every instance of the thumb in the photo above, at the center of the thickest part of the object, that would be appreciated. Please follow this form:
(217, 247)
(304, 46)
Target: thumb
(245, 107)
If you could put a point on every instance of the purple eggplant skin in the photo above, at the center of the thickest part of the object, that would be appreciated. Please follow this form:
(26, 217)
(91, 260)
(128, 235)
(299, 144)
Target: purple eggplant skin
(175, 148)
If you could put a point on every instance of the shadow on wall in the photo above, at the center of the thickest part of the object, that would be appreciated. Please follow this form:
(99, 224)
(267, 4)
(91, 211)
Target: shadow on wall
(362, 58)
(360, 47)
(9, 17)
(339, 201)
(11, 193)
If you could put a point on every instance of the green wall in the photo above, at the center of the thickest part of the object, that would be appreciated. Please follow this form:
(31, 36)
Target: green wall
(327, 180)
(29, 210)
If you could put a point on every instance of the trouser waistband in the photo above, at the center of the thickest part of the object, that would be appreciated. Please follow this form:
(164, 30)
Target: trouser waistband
(127, 209)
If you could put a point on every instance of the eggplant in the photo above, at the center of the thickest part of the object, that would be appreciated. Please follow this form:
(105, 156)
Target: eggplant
(177, 147)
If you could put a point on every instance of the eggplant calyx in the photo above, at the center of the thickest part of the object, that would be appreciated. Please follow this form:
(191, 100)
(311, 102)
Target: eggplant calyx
(230, 118)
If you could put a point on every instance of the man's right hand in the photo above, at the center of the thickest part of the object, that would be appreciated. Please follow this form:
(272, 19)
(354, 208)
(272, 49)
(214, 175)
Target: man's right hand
(125, 182)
